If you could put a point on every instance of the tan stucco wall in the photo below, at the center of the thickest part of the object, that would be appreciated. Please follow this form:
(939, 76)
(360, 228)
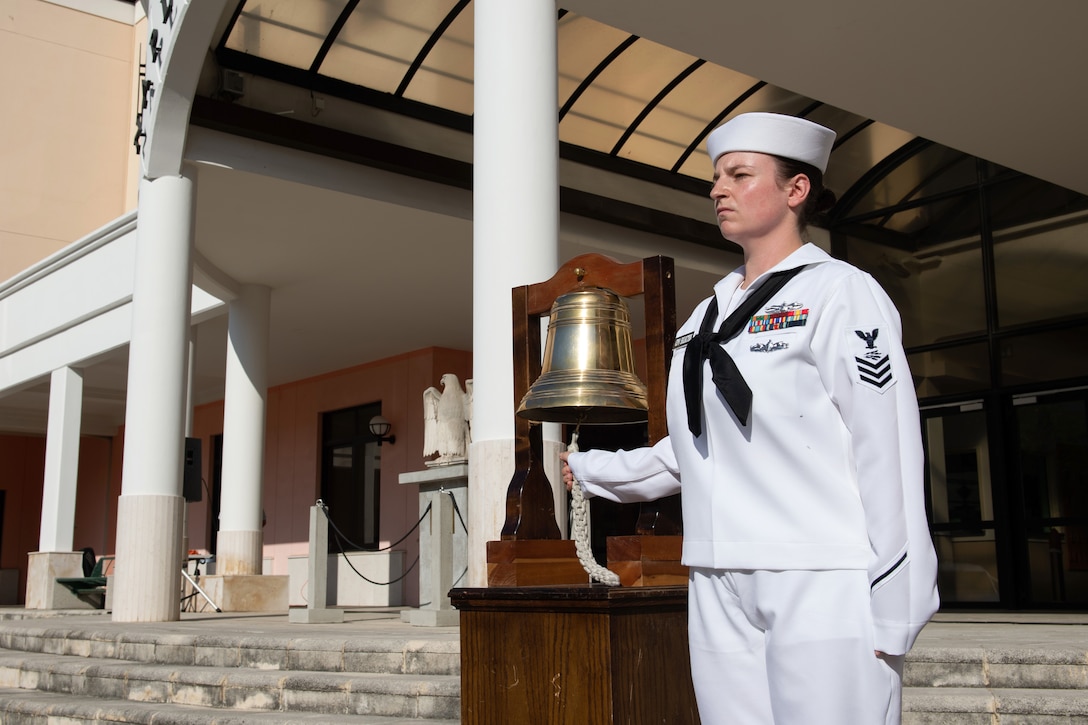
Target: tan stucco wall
(68, 83)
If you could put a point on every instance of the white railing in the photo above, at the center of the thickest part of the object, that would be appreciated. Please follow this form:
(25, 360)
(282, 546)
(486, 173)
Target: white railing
(73, 306)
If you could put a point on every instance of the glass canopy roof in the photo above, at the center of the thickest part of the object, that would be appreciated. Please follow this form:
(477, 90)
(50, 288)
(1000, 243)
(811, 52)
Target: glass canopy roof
(626, 103)
(620, 95)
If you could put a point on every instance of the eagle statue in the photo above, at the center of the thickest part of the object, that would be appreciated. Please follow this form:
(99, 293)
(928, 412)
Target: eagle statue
(447, 416)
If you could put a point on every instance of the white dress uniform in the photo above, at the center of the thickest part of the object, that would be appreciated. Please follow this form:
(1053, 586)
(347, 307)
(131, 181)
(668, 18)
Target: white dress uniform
(805, 529)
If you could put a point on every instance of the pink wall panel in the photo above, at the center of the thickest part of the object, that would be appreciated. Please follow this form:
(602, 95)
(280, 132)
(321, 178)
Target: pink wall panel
(292, 464)
(293, 440)
(22, 479)
(96, 506)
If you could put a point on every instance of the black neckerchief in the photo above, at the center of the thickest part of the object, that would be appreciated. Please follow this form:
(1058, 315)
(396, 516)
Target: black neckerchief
(708, 344)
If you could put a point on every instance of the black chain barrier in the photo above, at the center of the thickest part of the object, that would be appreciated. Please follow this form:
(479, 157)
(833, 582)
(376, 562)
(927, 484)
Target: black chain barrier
(456, 509)
(341, 540)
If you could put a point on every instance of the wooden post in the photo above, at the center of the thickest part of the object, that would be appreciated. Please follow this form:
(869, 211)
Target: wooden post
(530, 511)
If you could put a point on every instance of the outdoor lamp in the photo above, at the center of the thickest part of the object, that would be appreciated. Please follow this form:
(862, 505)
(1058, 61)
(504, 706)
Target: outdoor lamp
(380, 427)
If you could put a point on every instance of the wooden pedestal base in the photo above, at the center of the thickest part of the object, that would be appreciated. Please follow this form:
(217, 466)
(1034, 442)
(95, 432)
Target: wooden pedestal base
(533, 563)
(575, 656)
(647, 560)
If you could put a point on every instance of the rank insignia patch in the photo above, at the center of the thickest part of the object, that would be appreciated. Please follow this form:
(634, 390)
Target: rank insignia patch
(874, 367)
(779, 317)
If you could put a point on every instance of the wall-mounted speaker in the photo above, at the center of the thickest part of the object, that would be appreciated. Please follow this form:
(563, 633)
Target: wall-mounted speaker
(190, 481)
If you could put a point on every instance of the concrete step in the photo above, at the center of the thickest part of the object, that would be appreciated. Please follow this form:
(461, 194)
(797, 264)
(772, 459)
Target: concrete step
(30, 707)
(394, 655)
(1002, 668)
(1024, 669)
(398, 695)
(18, 613)
(1000, 706)
(996, 685)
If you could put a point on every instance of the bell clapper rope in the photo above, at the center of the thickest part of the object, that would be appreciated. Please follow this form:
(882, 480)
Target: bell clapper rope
(580, 529)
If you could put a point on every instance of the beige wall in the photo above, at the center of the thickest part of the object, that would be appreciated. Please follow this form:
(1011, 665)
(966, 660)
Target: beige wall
(68, 82)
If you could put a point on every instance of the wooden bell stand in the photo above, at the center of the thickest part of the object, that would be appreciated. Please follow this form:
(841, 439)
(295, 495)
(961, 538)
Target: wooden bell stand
(531, 551)
(539, 644)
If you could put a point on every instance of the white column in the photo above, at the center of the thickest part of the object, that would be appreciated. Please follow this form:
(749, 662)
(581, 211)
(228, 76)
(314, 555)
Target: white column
(146, 585)
(190, 377)
(61, 461)
(55, 557)
(239, 544)
(515, 231)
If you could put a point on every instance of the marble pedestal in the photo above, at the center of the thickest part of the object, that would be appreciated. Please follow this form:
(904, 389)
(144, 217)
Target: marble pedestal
(245, 592)
(42, 589)
(443, 542)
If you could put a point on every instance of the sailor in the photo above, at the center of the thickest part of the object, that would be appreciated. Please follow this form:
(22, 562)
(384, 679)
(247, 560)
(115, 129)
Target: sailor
(794, 437)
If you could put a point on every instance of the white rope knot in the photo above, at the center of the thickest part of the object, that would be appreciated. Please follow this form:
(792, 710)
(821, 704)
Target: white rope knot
(579, 508)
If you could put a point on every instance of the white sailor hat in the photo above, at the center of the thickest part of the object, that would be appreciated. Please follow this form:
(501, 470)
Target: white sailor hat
(773, 133)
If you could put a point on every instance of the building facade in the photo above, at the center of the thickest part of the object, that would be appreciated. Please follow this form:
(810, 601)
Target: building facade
(260, 224)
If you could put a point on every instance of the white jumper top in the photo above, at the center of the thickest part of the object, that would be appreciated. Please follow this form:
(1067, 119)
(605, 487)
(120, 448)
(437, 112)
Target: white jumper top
(829, 472)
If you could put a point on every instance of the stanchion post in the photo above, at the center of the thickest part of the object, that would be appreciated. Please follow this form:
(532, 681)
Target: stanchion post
(442, 542)
(441, 547)
(317, 570)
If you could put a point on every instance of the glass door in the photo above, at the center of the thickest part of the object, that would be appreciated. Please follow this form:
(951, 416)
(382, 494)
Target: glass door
(961, 503)
(351, 478)
(1051, 469)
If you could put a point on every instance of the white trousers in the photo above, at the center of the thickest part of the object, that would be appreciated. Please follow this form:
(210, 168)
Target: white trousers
(788, 648)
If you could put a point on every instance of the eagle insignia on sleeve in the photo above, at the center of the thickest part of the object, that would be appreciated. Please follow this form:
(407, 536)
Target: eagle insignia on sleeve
(869, 337)
(874, 367)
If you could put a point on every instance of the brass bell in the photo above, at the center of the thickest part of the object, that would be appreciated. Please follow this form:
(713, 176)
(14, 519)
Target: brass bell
(588, 373)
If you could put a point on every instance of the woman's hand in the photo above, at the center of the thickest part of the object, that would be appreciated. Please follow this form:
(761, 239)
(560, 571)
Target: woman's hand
(568, 477)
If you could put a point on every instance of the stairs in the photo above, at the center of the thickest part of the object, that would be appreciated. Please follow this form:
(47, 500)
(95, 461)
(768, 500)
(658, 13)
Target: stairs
(375, 670)
(54, 671)
(1020, 673)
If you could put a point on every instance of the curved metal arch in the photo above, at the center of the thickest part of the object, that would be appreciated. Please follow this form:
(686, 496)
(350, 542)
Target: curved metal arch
(333, 34)
(809, 109)
(839, 141)
(714, 123)
(654, 103)
(417, 63)
(912, 191)
(592, 76)
(904, 200)
(229, 28)
(873, 176)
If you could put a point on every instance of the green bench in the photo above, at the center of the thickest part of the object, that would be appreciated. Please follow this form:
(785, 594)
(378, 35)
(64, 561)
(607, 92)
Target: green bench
(90, 588)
